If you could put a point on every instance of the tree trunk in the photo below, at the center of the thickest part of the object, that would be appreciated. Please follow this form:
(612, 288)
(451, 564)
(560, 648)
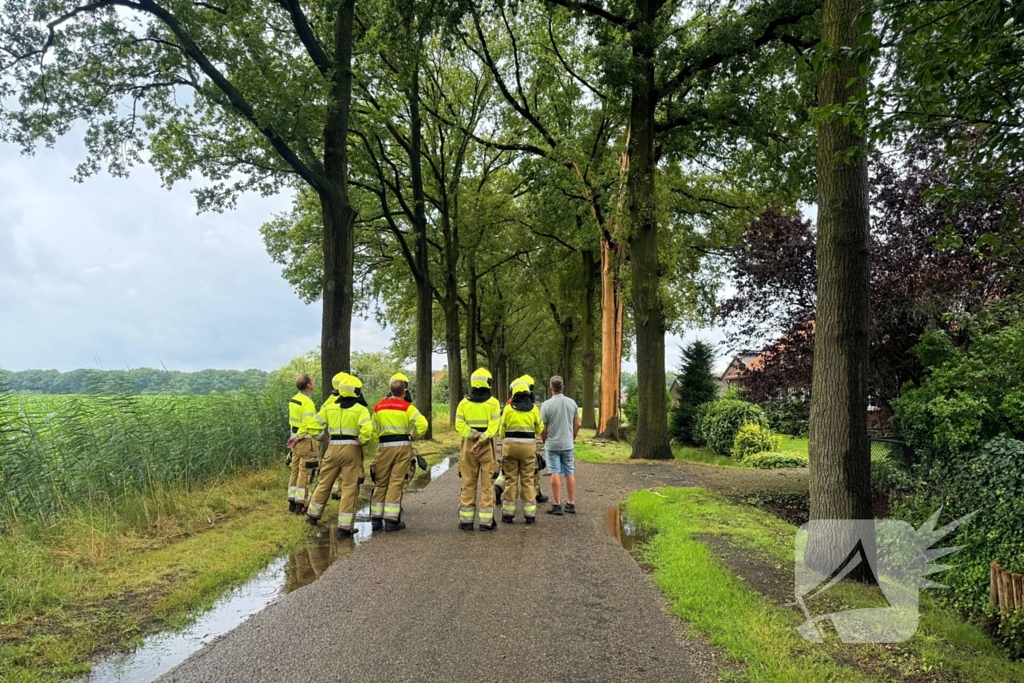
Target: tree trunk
(424, 295)
(567, 357)
(589, 287)
(840, 463)
(651, 436)
(453, 344)
(338, 216)
(472, 319)
(611, 339)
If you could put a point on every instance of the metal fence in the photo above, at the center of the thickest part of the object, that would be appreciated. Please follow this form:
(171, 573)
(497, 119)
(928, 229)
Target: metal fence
(891, 447)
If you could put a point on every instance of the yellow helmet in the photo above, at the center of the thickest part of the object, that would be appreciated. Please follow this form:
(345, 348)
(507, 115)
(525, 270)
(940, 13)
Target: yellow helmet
(399, 377)
(346, 384)
(520, 385)
(481, 378)
(528, 380)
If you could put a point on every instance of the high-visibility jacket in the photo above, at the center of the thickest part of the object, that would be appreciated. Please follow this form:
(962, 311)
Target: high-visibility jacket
(301, 411)
(395, 420)
(483, 417)
(345, 420)
(519, 424)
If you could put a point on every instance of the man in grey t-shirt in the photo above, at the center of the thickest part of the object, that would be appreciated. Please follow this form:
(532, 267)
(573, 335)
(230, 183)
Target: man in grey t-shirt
(561, 425)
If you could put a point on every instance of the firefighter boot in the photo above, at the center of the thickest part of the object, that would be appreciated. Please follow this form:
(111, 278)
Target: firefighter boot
(376, 524)
(390, 525)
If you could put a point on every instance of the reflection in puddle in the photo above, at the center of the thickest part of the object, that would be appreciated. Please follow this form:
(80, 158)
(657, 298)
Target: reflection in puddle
(161, 652)
(625, 531)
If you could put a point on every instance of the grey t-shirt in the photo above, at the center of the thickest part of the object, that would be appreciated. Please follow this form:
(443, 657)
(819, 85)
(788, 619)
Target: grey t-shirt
(557, 413)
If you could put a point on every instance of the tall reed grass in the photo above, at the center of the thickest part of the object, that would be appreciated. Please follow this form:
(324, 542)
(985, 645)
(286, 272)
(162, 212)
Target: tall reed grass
(60, 453)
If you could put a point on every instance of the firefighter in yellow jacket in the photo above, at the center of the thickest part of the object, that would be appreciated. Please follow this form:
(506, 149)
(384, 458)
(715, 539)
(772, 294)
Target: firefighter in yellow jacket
(398, 424)
(350, 427)
(477, 421)
(304, 449)
(520, 426)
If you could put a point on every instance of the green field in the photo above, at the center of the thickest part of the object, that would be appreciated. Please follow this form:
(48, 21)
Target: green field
(67, 452)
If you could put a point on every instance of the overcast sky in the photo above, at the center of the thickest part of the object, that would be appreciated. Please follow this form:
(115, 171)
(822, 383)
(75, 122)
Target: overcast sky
(120, 273)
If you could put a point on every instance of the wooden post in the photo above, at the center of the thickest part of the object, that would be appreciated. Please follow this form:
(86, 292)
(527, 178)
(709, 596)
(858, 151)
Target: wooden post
(993, 583)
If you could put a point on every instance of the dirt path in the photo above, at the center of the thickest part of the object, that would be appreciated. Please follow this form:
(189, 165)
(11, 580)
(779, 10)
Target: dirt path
(558, 601)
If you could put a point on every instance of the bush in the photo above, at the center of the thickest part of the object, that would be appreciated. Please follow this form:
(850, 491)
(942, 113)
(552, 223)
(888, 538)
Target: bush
(990, 480)
(887, 475)
(966, 396)
(773, 460)
(789, 413)
(752, 439)
(720, 421)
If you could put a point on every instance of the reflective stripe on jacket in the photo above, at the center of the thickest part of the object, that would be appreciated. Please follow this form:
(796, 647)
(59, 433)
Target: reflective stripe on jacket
(483, 417)
(344, 423)
(513, 420)
(392, 416)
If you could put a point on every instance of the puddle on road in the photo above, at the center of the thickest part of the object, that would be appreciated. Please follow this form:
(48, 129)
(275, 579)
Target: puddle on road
(625, 531)
(161, 652)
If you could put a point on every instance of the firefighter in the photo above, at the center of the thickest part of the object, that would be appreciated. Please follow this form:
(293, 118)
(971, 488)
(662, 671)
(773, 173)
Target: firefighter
(520, 426)
(499, 484)
(398, 424)
(477, 421)
(304, 451)
(400, 387)
(350, 427)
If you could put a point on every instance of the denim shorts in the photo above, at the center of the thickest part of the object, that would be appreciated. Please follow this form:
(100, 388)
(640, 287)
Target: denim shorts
(560, 462)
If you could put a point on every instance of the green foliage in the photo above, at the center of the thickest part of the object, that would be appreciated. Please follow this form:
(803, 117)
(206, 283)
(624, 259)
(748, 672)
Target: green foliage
(967, 395)
(720, 421)
(789, 413)
(987, 479)
(696, 386)
(887, 475)
(752, 439)
(774, 460)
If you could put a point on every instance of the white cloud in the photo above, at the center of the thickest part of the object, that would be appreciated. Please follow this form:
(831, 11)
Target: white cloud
(122, 273)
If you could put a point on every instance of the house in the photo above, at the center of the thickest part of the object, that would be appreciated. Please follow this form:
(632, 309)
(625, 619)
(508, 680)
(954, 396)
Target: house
(439, 375)
(733, 375)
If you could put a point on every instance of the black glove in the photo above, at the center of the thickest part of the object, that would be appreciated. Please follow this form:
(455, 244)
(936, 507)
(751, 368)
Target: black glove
(373, 474)
(312, 464)
(541, 463)
(422, 462)
(361, 480)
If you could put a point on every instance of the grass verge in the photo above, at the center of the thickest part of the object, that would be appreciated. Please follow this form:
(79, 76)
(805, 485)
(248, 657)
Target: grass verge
(759, 635)
(97, 582)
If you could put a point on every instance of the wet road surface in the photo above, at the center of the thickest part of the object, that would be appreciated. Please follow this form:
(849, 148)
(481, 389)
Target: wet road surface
(557, 601)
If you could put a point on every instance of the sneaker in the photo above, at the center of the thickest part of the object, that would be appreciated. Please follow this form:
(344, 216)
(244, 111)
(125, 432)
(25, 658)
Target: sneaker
(312, 521)
(492, 527)
(531, 520)
(393, 526)
(555, 510)
(541, 498)
(465, 527)
(570, 508)
(376, 524)
(508, 520)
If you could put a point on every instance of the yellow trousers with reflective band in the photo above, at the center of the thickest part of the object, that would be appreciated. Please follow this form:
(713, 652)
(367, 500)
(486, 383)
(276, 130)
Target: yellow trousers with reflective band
(474, 468)
(298, 483)
(391, 468)
(520, 466)
(343, 462)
